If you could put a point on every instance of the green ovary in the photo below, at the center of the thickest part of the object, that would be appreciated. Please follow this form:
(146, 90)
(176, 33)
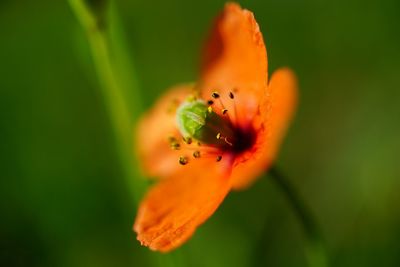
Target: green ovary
(196, 120)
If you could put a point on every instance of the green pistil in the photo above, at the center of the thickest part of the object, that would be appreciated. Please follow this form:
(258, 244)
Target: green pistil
(198, 121)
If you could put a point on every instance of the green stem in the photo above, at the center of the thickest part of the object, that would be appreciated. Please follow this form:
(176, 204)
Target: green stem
(113, 85)
(116, 103)
(315, 250)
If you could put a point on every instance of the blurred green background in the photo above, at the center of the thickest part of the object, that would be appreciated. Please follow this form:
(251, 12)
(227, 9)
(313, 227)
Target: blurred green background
(64, 200)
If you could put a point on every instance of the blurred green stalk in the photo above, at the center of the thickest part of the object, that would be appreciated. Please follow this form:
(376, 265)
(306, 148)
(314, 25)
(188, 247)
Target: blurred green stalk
(91, 15)
(115, 90)
(315, 249)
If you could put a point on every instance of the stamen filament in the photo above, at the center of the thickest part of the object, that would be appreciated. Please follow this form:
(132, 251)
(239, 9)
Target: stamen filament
(217, 96)
(236, 121)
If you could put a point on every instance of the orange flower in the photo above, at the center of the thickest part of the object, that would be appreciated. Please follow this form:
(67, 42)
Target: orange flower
(204, 140)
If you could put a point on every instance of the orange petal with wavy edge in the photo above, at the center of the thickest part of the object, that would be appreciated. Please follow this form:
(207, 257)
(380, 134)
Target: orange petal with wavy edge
(154, 129)
(174, 208)
(275, 115)
(236, 59)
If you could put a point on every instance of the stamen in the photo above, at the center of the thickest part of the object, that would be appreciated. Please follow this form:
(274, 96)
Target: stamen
(183, 160)
(232, 96)
(210, 102)
(172, 139)
(219, 157)
(187, 140)
(173, 143)
(196, 154)
(203, 152)
(219, 136)
(224, 110)
(215, 95)
(175, 146)
(226, 141)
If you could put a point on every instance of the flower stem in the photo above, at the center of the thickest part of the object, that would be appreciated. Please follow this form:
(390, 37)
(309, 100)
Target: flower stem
(92, 19)
(315, 249)
(115, 88)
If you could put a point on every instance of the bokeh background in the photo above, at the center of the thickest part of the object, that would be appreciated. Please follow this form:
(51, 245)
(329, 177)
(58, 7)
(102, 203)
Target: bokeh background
(63, 198)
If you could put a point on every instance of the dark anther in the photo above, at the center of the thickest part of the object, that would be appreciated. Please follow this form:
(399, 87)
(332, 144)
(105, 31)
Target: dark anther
(224, 111)
(196, 154)
(187, 140)
(215, 95)
(219, 158)
(183, 160)
(172, 139)
(210, 102)
(175, 146)
(231, 95)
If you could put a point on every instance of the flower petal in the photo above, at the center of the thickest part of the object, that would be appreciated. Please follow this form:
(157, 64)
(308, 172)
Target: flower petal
(173, 209)
(154, 129)
(275, 114)
(236, 60)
